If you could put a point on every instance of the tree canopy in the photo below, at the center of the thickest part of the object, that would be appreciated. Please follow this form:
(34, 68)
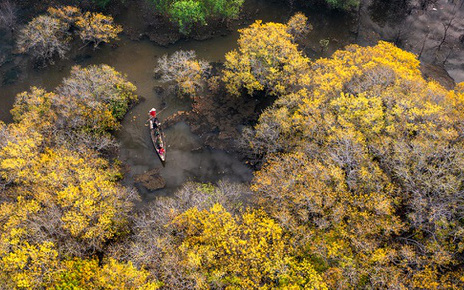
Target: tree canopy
(267, 59)
(61, 203)
(48, 35)
(359, 184)
(187, 13)
(369, 176)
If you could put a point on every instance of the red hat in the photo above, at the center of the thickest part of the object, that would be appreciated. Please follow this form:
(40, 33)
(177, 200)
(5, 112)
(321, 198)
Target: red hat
(153, 112)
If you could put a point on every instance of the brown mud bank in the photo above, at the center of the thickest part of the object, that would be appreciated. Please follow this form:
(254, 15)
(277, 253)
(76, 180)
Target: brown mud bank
(150, 180)
(217, 119)
(433, 30)
(437, 73)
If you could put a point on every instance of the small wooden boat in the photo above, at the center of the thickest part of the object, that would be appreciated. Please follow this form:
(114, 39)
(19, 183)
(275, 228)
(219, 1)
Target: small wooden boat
(157, 136)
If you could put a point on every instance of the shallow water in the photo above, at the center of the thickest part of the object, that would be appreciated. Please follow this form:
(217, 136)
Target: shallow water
(137, 60)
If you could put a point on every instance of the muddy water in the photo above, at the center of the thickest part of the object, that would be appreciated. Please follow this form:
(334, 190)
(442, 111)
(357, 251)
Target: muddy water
(186, 159)
(137, 60)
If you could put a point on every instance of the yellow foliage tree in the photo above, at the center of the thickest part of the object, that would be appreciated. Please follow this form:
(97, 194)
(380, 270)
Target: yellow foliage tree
(369, 139)
(28, 266)
(89, 103)
(78, 196)
(298, 26)
(33, 106)
(49, 35)
(56, 203)
(92, 206)
(267, 59)
(185, 71)
(19, 147)
(116, 275)
(87, 274)
(220, 250)
(67, 14)
(97, 28)
(93, 98)
(342, 219)
(24, 262)
(44, 37)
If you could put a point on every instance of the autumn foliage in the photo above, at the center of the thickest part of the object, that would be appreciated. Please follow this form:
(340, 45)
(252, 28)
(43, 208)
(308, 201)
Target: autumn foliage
(187, 13)
(97, 28)
(44, 37)
(184, 71)
(247, 252)
(48, 35)
(208, 237)
(359, 182)
(267, 59)
(363, 169)
(59, 198)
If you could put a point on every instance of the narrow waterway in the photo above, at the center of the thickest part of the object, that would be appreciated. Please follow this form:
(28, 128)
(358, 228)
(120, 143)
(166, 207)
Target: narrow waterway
(186, 157)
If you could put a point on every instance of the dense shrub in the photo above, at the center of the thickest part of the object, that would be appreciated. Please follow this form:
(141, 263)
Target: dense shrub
(49, 35)
(185, 71)
(44, 37)
(186, 13)
(97, 28)
(267, 58)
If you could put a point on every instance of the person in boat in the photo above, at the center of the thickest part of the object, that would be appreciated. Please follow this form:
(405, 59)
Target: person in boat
(159, 141)
(161, 151)
(152, 117)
